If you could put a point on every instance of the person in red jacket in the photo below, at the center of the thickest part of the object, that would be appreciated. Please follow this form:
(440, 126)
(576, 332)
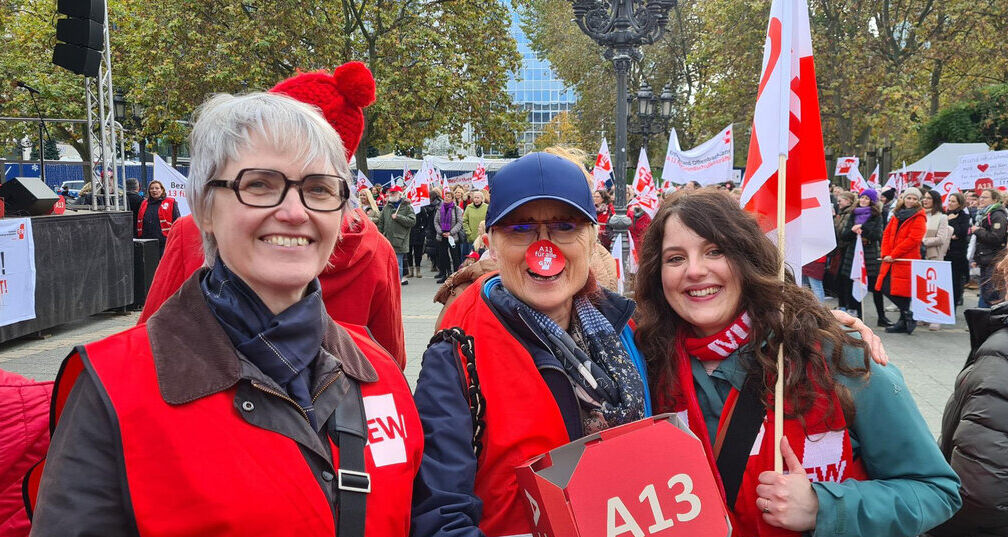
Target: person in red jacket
(901, 242)
(157, 213)
(240, 407)
(360, 285)
(24, 435)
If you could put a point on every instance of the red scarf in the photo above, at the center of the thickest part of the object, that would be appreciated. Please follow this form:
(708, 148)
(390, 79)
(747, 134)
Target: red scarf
(716, 347)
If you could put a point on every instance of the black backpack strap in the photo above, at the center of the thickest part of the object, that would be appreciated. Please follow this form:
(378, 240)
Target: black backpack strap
(470, 380)
(747, 416)
(348, 429)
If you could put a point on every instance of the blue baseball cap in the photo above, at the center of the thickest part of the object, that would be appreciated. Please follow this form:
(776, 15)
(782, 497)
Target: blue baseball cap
(539, 176)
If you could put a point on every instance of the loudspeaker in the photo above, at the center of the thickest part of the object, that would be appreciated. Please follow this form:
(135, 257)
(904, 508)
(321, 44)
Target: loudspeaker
(27, 196)
(80, 32)
(80, 60)
(146, 255)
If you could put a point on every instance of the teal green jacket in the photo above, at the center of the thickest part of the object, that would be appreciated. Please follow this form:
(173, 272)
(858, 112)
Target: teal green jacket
(912, 488)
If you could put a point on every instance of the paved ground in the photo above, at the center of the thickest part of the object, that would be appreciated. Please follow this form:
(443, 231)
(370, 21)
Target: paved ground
(929, 360)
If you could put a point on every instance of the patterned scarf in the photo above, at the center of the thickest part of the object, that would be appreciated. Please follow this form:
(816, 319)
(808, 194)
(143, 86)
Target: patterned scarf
(606, 383)
(282, 346)
(721, 345)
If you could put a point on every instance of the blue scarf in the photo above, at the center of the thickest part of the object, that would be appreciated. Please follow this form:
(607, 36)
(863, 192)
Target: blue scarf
(606, 382)
(283, 346)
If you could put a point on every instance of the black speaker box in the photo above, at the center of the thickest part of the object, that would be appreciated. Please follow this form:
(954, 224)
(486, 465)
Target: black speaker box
(146, 255)
(85, 9)
(80, 60)
(81, 32)
(27, 196)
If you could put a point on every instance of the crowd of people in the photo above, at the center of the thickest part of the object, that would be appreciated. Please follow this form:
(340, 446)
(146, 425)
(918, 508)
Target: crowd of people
(262, 391)
(968, 230)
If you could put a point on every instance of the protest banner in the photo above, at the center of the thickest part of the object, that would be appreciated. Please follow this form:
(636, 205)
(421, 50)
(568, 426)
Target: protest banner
(174, 183)
(621, 482)
(931, 291)
(708, 163)
(982, 170)
(945, 188)
(17, 271)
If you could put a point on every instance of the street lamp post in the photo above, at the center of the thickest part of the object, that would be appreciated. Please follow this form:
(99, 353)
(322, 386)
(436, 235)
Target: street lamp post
(653, 114)
(622, 26)
(132, 115)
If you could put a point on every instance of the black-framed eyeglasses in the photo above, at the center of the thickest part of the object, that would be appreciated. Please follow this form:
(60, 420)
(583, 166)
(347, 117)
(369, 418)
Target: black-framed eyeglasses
(264, 188)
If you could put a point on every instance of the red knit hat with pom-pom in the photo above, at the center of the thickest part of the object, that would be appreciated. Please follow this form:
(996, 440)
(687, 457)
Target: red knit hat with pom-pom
(341, 96)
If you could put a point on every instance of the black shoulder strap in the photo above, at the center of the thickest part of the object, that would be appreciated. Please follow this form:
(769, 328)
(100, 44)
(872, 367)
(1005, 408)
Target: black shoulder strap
(348, 428)
(745, 423)
(470, 380)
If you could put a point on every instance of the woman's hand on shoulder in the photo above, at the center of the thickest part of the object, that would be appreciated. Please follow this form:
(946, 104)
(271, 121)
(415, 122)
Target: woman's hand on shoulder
(787, 500)
(878, 353)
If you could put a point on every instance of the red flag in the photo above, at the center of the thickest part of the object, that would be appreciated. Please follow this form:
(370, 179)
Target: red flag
(787, 96)
(873, 179)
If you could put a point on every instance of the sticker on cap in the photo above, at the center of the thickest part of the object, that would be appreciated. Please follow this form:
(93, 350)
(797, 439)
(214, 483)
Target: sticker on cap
(545, 258)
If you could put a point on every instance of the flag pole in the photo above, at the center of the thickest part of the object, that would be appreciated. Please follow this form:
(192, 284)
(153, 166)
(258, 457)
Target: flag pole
(779, 387)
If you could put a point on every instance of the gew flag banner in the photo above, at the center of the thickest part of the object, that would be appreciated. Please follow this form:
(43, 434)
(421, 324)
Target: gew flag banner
(931, 291)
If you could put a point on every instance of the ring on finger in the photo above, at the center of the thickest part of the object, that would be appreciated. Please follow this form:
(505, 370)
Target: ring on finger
(766, 505)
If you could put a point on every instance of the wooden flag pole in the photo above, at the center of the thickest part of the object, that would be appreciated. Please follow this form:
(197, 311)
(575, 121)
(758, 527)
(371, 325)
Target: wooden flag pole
(779, 387)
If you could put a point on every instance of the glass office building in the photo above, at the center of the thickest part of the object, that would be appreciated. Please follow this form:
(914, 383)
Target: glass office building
(536, 89)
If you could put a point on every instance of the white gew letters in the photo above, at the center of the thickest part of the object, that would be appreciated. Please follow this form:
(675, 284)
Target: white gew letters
(627, 523)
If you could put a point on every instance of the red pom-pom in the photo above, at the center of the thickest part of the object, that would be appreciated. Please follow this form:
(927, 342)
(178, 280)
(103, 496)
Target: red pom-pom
(356, 83)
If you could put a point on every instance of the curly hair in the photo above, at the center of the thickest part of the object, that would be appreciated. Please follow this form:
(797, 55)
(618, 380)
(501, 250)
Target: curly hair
(781, 312)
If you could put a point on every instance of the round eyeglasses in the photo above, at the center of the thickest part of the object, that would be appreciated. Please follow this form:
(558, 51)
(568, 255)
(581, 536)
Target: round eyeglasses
(259, 187)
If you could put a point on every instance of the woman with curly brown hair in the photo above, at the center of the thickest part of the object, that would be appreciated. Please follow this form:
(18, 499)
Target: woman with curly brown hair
(712, 314)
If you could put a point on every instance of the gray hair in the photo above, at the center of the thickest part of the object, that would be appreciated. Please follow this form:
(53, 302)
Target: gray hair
(225, 128)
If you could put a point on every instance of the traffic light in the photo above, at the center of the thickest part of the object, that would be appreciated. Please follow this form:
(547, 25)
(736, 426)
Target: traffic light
(82, 35)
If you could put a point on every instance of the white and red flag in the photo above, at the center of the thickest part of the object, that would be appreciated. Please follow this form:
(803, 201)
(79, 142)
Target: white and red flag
(479, 176)
(946, 188)
(603, 166)
(644, 187)
(418, 189)
(929, 177)
(931, 291)
(845, 164)
(857, 181)
(407, 178)
(634, 259)
(362, 181)
(786, 123)
(859, 272)
(617, 253)
(873, 179)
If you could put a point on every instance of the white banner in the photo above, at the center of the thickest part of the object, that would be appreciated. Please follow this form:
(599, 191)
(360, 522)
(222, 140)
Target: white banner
(708, 163)
(931, 292)
(982, 170)
(617, 253)
(17, 271)
(479, 176)
(174, 183)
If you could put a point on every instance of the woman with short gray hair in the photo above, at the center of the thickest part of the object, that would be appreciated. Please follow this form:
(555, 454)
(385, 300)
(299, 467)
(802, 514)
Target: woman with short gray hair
(240, 382)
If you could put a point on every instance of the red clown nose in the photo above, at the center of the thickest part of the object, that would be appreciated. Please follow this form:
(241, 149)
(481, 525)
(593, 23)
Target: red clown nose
(545, 258)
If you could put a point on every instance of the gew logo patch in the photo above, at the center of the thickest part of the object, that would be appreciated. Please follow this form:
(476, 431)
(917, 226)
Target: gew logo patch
(386, 430)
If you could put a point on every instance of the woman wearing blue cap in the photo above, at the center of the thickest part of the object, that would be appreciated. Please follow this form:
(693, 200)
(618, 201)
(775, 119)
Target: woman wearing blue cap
(553, 351)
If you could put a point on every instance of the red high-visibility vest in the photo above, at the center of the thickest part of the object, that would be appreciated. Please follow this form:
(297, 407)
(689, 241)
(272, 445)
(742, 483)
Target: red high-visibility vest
(200, 469)
(522, 417)
(164, 212)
